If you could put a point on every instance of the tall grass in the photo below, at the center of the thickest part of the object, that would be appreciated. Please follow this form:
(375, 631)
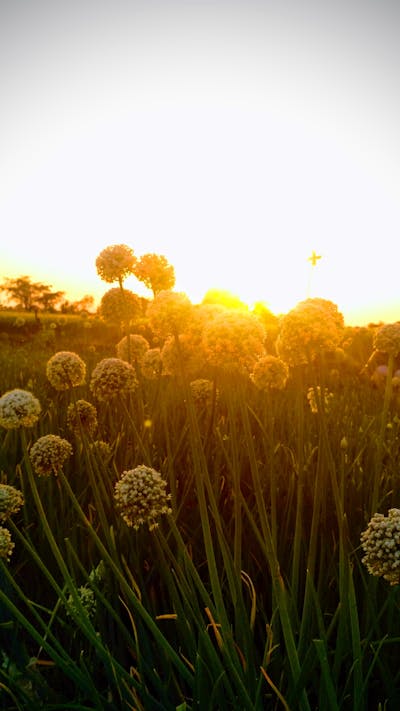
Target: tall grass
(250, 595)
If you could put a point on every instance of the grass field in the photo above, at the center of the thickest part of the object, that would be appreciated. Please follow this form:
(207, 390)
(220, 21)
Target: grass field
(237, 584)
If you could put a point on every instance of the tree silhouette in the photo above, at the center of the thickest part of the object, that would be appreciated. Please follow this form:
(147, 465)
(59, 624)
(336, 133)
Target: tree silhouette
(27, 295)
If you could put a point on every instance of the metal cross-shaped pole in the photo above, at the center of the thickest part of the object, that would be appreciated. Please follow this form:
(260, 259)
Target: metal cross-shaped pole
(313, 259)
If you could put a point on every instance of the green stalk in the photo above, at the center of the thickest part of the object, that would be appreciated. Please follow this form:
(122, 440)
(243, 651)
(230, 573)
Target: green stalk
(298, 528)
(279, 589)
(381, 436)
(132, 597)
(237, 513)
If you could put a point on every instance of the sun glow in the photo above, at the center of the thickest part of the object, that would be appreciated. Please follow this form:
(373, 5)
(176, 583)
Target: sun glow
(236, 163)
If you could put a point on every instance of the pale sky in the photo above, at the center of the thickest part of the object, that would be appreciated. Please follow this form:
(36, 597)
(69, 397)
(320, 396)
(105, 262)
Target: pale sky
(232, 137)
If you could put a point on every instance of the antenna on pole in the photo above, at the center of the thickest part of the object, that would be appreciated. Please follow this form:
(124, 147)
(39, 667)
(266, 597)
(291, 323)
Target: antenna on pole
(313, 259)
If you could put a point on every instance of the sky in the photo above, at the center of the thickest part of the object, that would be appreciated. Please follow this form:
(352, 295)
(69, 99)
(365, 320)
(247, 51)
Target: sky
(234, 138)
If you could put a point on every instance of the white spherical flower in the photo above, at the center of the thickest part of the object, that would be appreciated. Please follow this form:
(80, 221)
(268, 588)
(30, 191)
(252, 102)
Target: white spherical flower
(141, 497)
(102, 450)
(381, 545)
(151, 364)
(234, 341)
(11, 500)
(6, 544)
(112, 376)
(82, 417)
(312, 327)
(169, 313)
(115, 263)
(138, 346)
(270, 373)
(19, 408)
(66, 370)
(49, 453)
(203, 392)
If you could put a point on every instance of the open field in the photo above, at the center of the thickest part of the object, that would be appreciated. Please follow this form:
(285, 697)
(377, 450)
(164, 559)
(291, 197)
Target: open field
(239, 584)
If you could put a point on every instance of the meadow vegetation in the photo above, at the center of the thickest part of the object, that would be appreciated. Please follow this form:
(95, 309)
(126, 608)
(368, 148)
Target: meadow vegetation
(186, 509)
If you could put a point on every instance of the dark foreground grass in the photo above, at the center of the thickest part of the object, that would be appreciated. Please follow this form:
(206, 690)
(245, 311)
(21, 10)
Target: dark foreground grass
(250, 595)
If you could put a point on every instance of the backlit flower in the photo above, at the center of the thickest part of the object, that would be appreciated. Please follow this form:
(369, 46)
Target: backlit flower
(203, 392)
(387, 339)
(151, 364)
(141, 497)
(112, 376)
(49, 453)
(118, 306)
(234, 341)
(313, 327)
(115, 263)
(19, 408)
(65, 370)
(186, 355)
(155, 272)
(101, 449)
(6, 544)
(169, 313)
(270, 373)
(381, 545)
(11, 500)
(82, 417)
(138, 346)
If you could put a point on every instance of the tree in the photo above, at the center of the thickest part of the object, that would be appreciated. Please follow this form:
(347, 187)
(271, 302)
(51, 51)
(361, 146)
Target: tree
(84, 305)
(155, 272)
(30, 296)
(48, 300)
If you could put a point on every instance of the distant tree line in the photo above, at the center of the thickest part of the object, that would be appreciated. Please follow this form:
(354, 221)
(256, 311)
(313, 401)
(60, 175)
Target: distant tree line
(23, 294)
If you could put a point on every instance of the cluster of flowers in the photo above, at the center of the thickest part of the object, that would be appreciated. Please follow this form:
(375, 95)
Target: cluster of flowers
(112, 376)
(82, 418)
(202, 392)
(66, 370)
(231, 340)
(140, 494)
(115, 263)
(270, 373)
(141, 497)
(49, 453)
(313, 327)
(169, 313)
(11, 501)
(381, 544)
(138, 346)
(19, 408)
